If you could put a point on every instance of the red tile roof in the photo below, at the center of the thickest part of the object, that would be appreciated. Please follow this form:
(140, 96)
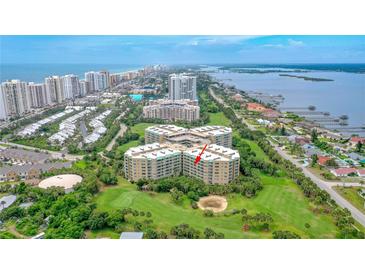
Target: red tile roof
(255, 107)
(323, 159)
(356, 139)
(344, 170)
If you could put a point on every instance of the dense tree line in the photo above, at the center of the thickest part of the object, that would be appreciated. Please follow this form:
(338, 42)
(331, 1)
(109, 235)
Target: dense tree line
(185, 231)
(194, 188)
(284, 234)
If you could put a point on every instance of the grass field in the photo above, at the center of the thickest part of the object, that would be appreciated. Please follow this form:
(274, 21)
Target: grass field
(350, 194)
(140, 128)
(218, 119)
(123, 148)
(280, 197)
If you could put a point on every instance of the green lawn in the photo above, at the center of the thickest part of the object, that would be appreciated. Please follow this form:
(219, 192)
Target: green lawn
(280, 197)
(350, 194)
(218, 119)
(80, 164)
(123, 148)
(140, 128)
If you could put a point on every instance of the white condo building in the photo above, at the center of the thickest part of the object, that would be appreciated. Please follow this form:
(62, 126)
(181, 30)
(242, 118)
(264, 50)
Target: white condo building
(15, 98)
(39, 97)
(182, 86)
(54, 88)
(84, 88)
(71, 86)
(97, 81)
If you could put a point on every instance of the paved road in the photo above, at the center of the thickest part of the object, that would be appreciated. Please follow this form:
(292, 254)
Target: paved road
(325, 185)
(55, 154)
(123, 129)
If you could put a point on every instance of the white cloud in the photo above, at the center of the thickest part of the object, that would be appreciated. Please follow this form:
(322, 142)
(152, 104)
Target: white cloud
(295, 43)
(273, 46)
(219, 40)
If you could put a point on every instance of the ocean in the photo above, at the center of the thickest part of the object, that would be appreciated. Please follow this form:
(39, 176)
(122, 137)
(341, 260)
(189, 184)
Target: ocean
(37, 72)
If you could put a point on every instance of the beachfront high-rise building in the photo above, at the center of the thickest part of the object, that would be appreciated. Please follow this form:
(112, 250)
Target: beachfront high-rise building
(15, 98)
(71, 86)
(182, 86)
(54, 88)
(97, 81)
(3, 115)
(84, 88)
(90, 79)
(179, 110)
(103, 80)
(39, 97)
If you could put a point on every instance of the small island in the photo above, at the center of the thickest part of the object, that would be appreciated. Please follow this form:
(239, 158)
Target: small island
(306, 78)
(262, 71)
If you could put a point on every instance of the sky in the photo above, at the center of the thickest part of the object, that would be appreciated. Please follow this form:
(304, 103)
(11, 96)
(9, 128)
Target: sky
(181, 49)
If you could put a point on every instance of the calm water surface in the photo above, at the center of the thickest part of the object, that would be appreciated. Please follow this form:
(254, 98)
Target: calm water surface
(344, 95)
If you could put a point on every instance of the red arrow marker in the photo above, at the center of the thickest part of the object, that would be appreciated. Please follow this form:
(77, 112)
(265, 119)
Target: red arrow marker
(198, 158)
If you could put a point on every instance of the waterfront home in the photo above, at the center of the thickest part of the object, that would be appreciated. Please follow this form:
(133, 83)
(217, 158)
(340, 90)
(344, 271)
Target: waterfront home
(238, 98)
(270, 113)
(356, 139)
(255, 107)
(343, 171)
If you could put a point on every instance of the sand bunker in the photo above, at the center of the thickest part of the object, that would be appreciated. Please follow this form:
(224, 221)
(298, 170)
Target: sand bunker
(213, 202)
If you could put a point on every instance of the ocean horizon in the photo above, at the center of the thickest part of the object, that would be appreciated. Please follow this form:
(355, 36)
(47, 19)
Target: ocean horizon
(37, 72)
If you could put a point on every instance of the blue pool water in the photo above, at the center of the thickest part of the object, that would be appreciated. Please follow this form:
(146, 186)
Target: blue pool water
(136, 97)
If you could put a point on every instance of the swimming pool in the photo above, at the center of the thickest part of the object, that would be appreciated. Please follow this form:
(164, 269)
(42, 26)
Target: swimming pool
(136, 97)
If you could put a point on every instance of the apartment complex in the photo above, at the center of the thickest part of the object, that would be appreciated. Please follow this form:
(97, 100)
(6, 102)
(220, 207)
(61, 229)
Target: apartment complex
(218, 165)
(182, 86)
(179, 110)
(219, 135)
(153, 161)
(171, 150)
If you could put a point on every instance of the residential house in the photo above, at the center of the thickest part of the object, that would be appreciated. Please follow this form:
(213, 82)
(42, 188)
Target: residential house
(343, 171)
